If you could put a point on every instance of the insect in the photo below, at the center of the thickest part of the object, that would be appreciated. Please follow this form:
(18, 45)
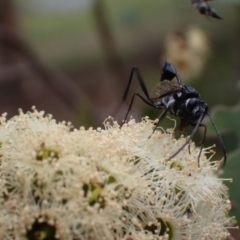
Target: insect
(205, 9)
(175, 98)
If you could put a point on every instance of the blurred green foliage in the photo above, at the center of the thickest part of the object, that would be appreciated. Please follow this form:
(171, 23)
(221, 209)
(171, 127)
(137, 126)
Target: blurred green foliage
(232, 170)
(227, 121)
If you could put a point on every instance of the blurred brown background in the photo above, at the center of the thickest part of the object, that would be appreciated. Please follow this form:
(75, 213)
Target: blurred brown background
(73, 58)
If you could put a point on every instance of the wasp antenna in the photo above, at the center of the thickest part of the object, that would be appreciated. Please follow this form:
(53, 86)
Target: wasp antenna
(220, 140)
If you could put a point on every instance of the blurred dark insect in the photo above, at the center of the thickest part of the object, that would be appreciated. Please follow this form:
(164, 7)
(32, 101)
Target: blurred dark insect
(205, 9)
(178, 99)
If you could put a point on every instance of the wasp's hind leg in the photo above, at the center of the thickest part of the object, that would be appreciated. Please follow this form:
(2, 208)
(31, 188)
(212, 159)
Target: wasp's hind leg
(202, 140)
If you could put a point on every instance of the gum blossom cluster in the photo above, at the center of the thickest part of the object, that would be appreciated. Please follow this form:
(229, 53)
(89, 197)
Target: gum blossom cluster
(111, 183)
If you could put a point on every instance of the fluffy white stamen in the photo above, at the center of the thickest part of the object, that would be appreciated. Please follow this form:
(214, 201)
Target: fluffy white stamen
(109, 183)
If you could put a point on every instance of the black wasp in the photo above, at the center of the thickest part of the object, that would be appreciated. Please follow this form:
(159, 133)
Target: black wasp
(175, 98)
(205, 9)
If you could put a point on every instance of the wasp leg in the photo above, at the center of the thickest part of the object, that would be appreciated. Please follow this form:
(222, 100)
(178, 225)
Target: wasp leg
(189, 138)
(131, 103)
(162, 115)
(220, 140)
(202, 140)
(141, 82)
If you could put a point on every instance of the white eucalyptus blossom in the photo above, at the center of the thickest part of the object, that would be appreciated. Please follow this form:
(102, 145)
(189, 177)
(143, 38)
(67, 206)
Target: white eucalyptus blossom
(110, 183)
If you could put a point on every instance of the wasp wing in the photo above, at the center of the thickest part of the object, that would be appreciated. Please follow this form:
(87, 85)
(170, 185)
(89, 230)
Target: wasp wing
(164, 88)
